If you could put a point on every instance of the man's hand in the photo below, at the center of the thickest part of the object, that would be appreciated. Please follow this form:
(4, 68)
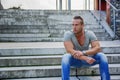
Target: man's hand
(90, 60)
(77, 54)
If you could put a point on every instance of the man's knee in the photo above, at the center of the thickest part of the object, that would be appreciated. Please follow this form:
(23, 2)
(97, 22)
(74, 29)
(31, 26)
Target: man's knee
(66, 58)
(101, 56)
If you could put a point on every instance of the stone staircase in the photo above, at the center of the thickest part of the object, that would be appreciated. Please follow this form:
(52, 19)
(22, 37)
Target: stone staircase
(31, 45)
(42, 60)
(40, 25)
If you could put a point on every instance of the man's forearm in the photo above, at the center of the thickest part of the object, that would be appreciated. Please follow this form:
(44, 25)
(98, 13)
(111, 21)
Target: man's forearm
(93, 51)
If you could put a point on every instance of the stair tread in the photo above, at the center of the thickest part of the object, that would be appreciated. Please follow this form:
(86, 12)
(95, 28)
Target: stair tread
(12, 45)
(113, 77)
(43, 57)
(45, 67)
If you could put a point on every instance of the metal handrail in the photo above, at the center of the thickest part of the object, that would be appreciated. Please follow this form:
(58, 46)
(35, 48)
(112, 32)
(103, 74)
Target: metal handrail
(112, 5)
(114, 16)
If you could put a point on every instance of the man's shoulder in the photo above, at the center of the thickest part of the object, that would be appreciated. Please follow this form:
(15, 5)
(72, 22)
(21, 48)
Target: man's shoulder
(68, 35)
(69, 32)
(89, 31)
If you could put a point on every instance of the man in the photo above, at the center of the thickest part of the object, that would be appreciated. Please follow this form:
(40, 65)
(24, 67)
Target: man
(76, 43)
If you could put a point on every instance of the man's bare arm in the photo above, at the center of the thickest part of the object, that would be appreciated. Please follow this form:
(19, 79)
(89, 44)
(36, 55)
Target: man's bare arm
(95, 48)
(69, 47)
(77, 54)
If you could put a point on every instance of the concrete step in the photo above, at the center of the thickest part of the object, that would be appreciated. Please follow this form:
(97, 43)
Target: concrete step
(40, 12)
(13, 11)
(42, 30)
(2, 27)
(99, 31)
(68, 27)
(22, 21)
(49, 48)
(21, 11)
(44, 60)
(113, 77)
(58, 26)
(24, 31)
(19, 15)
(40, 39)
(57, 17)
(86, 15)
(51, 71)
(32, 39)
(60, 33)
(64, 27)
(23, 35)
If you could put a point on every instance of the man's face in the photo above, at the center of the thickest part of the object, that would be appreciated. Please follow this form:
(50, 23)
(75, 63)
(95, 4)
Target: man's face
(77, 26)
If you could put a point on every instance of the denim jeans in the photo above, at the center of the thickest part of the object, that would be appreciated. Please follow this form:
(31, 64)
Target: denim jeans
(68, 60)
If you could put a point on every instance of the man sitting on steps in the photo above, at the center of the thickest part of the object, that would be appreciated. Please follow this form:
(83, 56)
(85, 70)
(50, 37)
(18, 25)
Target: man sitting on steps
(76, 43)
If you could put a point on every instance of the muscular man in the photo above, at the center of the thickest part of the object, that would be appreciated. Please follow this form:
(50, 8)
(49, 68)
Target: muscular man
(77, 43)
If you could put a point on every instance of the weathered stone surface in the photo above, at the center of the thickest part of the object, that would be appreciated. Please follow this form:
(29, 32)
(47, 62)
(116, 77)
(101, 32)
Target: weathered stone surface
(44, 21)
(72, 78)
(46, 71)
(45, 60)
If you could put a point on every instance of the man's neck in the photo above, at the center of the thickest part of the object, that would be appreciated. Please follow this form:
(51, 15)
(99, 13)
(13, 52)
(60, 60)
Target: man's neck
(80, 34)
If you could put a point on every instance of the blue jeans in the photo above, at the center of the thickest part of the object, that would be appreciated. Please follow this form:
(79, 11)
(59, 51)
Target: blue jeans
(68, 60)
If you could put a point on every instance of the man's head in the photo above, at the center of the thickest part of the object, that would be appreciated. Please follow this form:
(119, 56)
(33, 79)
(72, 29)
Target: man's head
(77, 24)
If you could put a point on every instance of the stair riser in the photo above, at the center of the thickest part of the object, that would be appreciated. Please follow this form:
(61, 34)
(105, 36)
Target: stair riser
(12, 11)
(26, 31)
(45, 28)
(30, 39)
(24, 35)
(48, 51)
(113, 77)
(52, 72)
(44, 61)
(37, 12)
(44, 31)
(61, 27)
(37, 39)
(23, 15)
(19, 12)
(23, 27)
(61, 33)
(29, 62)
(22, 19)
(23, 23)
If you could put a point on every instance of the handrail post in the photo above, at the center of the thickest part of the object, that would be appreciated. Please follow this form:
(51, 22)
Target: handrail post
(114, 24)
(100, 10)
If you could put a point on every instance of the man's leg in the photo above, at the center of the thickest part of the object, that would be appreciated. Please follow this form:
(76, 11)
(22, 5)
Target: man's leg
(103, 66)
(66, 66)
(67, 61)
